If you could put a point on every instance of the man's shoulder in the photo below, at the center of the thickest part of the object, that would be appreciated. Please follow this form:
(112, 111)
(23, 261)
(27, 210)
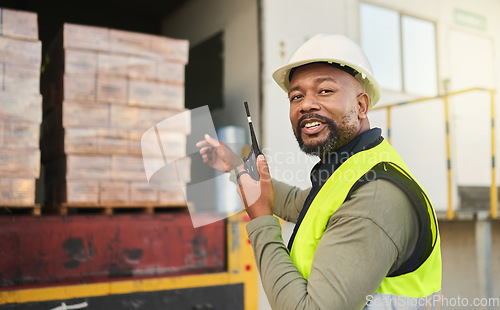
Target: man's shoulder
(384, 203)
(373, 197)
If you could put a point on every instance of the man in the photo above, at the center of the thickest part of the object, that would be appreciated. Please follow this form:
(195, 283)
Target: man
(366, 235)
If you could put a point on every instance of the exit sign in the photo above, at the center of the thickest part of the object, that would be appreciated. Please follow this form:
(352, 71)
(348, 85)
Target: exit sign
(469, 19)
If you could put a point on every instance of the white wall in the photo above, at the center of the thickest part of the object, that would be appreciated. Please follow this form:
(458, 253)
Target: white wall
(197, 20)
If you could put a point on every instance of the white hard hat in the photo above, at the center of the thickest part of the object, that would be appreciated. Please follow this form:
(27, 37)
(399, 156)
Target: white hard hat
(336, 49)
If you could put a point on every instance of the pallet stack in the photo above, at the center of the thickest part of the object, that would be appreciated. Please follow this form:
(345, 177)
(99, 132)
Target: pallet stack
(103, 88)
(20, 108)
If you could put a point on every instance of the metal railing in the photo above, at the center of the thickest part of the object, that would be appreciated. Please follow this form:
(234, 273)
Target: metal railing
(450, 213)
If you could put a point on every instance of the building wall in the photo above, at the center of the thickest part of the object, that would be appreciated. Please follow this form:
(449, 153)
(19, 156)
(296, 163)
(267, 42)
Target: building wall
(418, 131)
(466, 57)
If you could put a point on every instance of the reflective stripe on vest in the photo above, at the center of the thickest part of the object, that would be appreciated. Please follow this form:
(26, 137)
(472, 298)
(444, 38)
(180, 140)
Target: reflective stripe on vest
(423, 282)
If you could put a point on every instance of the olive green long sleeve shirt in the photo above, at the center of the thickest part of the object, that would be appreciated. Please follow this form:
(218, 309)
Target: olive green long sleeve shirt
(369, 236)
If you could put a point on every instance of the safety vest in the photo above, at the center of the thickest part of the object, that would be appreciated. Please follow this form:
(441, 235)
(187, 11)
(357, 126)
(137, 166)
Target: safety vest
(416, 288)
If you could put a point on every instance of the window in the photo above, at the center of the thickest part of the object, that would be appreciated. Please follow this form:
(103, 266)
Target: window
(401, 49)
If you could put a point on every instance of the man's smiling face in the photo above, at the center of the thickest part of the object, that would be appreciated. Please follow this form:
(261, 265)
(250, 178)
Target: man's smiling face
(328, 108)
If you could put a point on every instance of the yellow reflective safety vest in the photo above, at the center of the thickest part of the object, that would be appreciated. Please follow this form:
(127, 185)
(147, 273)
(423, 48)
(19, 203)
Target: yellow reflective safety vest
(416, 287)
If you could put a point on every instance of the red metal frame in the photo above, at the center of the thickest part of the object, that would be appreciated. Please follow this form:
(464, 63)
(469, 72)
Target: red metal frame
(88, 248)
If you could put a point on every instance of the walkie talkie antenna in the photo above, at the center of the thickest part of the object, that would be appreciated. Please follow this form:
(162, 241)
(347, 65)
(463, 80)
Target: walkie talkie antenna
(255, 145)
(250, 162)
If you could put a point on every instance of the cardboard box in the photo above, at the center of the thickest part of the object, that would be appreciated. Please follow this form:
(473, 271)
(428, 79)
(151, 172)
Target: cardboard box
(20, 52)
(22, 107)
(84, 37)
(19, 79)
(114, 191)
(61, 189)
(144, 118)
(155, 94)
(141, 191)
(108, 141)
(18, 24)
(108, 192)
(19, 163)
(81, 191)
(17, 191)
(85, 62)
(18, 134)
(171, 197)
(124, 42)
(92, 140)
(119, 167)
(103, 89)
(102, 115)
(120, 90)
(147, 45)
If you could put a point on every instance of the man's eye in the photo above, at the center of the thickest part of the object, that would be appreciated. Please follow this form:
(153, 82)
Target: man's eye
(295, 97)
(324, 91)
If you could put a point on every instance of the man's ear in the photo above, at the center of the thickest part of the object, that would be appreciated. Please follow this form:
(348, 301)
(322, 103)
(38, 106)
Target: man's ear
(363, 105)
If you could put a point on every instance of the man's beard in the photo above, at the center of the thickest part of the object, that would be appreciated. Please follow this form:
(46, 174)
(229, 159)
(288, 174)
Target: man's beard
(337, 136)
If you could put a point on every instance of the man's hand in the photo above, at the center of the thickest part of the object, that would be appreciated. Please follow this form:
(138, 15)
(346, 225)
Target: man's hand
(258, 196)
(216, 154)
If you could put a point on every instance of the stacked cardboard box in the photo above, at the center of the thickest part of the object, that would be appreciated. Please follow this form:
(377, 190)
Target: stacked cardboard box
(103, 88)
(20, 107)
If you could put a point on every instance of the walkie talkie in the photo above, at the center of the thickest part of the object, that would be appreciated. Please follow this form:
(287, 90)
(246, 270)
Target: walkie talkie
(250, 162)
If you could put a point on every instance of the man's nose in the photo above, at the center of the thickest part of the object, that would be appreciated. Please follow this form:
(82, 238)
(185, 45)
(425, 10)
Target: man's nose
(309, 104)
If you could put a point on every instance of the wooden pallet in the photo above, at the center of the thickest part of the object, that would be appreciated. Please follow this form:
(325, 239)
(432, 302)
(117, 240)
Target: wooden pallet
(8, 209)
(118, 207)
